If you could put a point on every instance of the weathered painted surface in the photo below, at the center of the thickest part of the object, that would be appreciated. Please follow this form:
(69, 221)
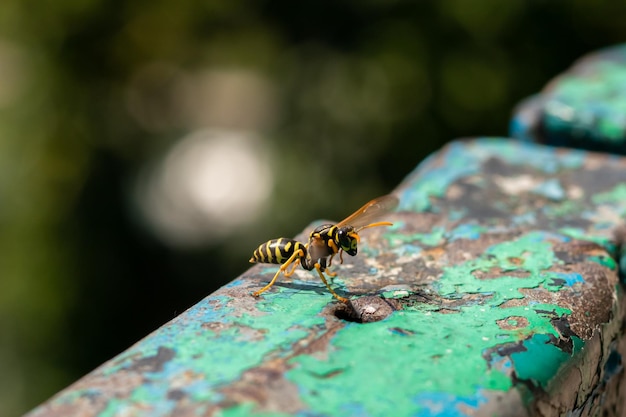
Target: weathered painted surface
(584, 107)
(496, 292)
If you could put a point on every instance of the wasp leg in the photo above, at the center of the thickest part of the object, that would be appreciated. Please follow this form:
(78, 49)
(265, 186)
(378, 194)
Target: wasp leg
(282, 268)
(330, 260)
(331, 275)
(292, 270)
(321, 274)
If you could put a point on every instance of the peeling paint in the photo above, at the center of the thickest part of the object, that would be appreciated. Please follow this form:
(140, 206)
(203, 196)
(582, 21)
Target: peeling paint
(489, 288)
(529, 368)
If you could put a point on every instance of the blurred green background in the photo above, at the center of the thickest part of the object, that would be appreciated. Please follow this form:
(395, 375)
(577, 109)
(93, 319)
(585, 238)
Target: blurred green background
(147, 147)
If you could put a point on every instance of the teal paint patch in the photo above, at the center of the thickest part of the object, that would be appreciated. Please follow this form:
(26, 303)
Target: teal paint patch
(578, 344)
(466, 231)
(606, 261)
(526, 365)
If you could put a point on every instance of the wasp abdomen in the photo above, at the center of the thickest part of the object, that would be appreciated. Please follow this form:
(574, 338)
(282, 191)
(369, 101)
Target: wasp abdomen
(276, 251)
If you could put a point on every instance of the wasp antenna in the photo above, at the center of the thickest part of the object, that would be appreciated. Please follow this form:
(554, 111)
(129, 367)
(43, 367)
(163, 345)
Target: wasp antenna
(356, 236)
(375, 225)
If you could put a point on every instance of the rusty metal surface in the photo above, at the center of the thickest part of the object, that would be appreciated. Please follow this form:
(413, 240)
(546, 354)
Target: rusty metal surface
(496, 292)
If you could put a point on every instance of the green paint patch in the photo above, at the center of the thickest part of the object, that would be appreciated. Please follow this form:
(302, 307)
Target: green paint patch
(523, 153)
(438, 352)
(553, 286)
(531, 254)
(240, 343)
(421, 348)
(434, 353)
(616, 195)
(433, 177)
(434, 238)
(562, 209)
(113, 408)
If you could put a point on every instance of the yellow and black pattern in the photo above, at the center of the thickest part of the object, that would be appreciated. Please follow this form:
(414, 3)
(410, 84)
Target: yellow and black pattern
(277, 251)
(327, 233)
(324, 243)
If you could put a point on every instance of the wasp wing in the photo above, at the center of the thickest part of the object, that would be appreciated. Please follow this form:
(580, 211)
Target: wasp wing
(370, 211)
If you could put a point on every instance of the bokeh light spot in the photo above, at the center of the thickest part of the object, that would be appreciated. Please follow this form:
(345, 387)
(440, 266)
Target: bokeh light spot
(207, 186)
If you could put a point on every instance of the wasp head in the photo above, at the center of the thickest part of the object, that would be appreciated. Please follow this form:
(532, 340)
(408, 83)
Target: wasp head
(348, 240)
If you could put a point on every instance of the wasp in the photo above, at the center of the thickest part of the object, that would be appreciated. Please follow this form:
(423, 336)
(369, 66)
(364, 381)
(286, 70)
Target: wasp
(324, 243)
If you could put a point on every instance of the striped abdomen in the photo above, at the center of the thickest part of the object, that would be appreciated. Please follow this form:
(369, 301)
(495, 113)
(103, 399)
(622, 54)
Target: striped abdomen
(277, 251)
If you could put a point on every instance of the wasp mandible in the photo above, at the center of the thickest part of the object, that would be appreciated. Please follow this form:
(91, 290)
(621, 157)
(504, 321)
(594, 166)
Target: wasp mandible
(324, 243)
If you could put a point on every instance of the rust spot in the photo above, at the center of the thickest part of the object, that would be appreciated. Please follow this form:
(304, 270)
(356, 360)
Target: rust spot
(496, 272)
(513, 323)
(434, 253)
(447, 311)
